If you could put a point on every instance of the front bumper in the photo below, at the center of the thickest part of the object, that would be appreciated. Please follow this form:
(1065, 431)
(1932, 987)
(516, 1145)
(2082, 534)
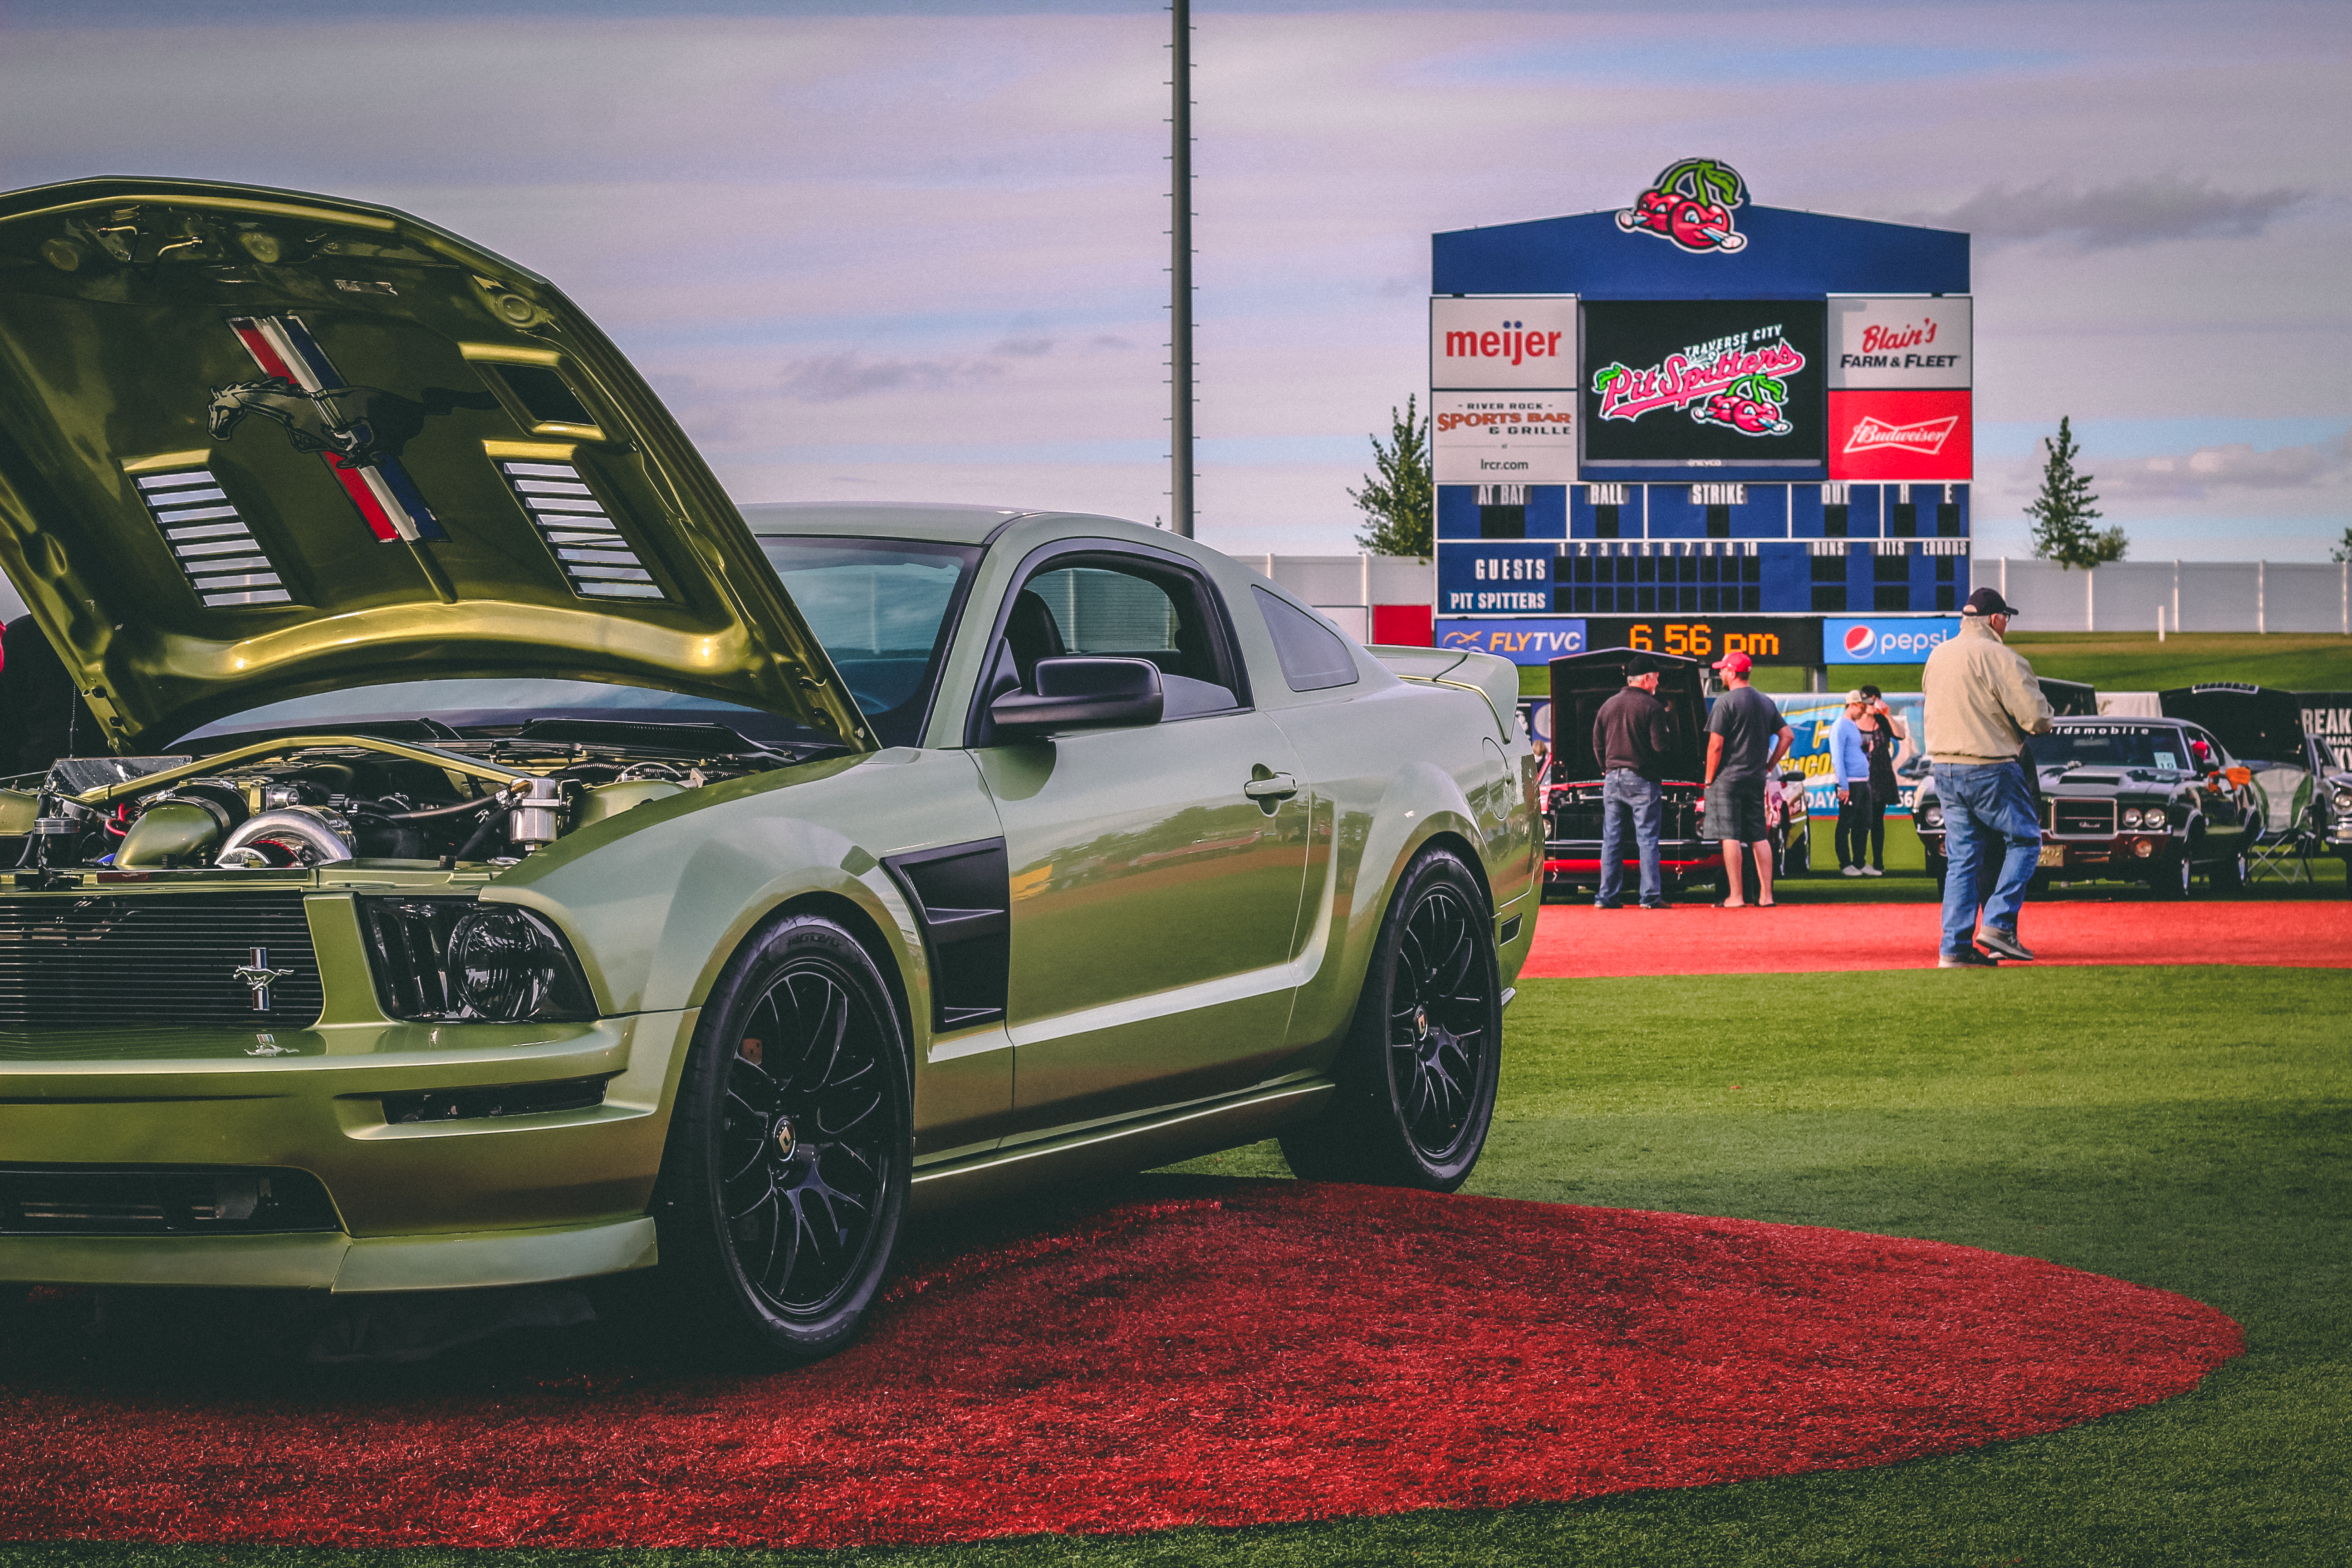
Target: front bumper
(482, 1200)
(2123, 855)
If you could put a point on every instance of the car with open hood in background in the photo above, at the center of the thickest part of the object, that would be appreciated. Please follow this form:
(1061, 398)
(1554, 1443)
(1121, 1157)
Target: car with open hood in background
(1581, 683)
(497, 863)
(2303, 796)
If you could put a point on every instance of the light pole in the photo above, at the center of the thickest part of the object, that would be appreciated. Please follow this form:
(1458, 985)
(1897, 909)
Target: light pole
(1180, 273)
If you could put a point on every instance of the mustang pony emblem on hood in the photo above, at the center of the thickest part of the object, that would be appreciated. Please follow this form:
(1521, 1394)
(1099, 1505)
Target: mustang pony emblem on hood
(359, 426)
(359, 430)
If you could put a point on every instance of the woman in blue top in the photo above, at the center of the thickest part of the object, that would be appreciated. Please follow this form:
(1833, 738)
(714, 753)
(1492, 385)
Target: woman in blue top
(1856, 804)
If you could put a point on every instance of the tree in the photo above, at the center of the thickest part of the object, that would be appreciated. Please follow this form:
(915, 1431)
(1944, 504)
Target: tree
(2343, 552)
(2063, 513)
(1399, 499)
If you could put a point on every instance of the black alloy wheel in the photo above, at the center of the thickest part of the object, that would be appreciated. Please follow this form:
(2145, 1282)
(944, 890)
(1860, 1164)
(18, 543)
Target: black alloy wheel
(785, 1178)
(1416, 1077)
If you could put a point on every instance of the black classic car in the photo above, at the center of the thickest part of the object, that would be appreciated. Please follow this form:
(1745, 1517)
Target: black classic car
(1687, 855)
(2158, 801)
(2303, 792)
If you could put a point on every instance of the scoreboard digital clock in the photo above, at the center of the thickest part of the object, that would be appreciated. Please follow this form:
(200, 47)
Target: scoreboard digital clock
(1765, 639)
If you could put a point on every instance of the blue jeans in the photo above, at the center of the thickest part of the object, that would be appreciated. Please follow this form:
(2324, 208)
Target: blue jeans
(1991, 837)
(1630, 803)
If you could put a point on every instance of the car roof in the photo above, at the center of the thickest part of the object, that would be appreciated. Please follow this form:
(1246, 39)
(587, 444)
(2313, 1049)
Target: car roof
(946, 522)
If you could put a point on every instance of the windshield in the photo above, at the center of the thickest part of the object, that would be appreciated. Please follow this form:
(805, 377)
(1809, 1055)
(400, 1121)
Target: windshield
(883, 608)
(481, 709)
(2112, 746)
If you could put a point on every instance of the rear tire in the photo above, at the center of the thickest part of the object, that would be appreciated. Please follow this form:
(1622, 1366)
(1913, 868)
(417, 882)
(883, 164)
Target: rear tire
(784, 1180)
(1417, 1074)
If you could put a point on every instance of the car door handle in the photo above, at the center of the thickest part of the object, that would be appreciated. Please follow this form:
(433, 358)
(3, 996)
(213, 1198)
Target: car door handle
(1274, 786)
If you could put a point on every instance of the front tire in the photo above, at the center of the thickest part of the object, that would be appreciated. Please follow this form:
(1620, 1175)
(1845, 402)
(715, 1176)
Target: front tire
(1417, 1074)
(2229, 875)
(2171, 879)
(784, 1180)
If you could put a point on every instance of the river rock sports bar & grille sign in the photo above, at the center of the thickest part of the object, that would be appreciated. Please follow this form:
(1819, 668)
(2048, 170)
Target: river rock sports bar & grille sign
(1693, 407)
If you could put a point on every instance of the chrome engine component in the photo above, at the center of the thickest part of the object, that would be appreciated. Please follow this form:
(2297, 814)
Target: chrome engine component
(298, 836)
(536, 818)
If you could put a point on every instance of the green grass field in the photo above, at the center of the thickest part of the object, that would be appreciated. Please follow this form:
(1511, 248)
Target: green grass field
(2111, 661)
(2181, 1128)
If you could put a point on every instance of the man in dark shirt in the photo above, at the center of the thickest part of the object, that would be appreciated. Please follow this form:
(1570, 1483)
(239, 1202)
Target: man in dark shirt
(1746, 740)
(1631, 738)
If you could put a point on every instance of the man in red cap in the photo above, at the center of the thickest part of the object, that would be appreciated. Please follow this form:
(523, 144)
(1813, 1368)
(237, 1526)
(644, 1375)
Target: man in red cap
(1746, 739)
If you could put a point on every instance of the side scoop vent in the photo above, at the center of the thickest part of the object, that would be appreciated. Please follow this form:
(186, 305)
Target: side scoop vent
(217, 551)
(596, 560)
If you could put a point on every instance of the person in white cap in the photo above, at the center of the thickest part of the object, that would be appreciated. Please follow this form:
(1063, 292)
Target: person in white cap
(1982, 703)
(1746, 740)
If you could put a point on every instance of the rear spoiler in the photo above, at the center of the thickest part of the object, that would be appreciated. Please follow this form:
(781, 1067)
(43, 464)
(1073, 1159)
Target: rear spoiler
(1494, 679)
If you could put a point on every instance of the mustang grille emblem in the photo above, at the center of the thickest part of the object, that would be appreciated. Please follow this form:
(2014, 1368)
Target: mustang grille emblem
(259, 977)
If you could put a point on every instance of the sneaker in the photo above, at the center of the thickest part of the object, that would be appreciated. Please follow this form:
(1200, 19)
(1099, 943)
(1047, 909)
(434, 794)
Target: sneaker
(1661, 904)
(1871, 870)
(1851, 871)
(1967, 958)
(1605, 904)
(2005, 943)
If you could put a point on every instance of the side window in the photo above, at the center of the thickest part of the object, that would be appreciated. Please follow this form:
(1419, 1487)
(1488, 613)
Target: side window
(1113, 606)
(1314, 657)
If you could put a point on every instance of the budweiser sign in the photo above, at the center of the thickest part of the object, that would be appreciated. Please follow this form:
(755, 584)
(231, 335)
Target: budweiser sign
(1926, 437)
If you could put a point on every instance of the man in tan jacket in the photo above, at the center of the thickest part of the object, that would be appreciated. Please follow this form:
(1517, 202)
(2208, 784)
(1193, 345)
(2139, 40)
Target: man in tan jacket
(1982, 703)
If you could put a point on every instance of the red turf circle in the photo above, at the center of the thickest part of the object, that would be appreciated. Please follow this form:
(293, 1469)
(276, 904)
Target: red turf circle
(1280, 1351)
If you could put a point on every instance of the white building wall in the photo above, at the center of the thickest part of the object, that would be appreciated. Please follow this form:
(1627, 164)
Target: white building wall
(2195, 596)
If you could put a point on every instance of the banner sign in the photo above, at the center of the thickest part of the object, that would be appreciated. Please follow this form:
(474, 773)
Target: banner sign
(1704, 382)
(1521, 642)
(1812, 714)
(1765, 639)
(2329, 715)
(1503, 438)
(1899, 342)
(1691, 203)
(1895, 639)
(1493, 343)
(1491, 576)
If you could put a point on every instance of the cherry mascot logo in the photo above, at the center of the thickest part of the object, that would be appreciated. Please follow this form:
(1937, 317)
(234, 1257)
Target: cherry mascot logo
(1859, 640)
(1691, 204)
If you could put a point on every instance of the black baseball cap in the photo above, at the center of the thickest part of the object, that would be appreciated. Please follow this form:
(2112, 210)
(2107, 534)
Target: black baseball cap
(1641, 664)
(1988, 602)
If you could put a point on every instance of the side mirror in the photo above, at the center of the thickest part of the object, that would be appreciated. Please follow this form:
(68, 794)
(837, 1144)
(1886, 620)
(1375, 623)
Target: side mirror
(1082, 694)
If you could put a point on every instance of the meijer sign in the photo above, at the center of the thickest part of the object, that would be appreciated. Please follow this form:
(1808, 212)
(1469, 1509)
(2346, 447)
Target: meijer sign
(1493, 341)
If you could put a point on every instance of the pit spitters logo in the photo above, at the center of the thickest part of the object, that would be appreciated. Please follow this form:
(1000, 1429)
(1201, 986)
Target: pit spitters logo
(1728, 381)
(1691, 203)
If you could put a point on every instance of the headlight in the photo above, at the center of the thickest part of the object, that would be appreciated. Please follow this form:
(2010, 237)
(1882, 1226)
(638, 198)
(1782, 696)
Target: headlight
(2131, 816)
(456, 961)
(1933, 817)
(2344, 800)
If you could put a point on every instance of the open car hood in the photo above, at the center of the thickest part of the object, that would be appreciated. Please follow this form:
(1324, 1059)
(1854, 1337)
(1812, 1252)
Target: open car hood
(1581, 682)
(256, 444)
(2254, 723)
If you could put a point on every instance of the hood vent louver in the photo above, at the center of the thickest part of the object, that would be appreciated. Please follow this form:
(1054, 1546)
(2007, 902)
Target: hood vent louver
(216, 551)
(596, 560)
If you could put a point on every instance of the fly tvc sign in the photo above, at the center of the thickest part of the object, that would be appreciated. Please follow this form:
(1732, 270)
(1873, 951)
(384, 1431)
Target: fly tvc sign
(1502, 398)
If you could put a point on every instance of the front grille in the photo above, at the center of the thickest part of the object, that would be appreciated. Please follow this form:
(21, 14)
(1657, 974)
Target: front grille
(111, 961)
(153, 1200)
(1678, 818)
(2079, 819)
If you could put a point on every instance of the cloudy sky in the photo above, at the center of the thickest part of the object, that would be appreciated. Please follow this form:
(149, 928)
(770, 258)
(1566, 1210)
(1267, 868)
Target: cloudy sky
(915, 251)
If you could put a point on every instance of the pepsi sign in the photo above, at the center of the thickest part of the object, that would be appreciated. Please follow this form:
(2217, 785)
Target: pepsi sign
(1905, 639)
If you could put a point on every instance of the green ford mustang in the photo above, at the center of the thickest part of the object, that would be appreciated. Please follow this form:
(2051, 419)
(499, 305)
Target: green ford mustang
(490, 856)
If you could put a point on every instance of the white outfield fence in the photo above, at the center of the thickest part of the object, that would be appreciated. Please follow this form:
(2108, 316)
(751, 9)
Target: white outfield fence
(2190, 595)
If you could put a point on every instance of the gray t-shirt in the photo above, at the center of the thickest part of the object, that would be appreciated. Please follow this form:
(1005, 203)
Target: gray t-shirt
(1749, 721)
